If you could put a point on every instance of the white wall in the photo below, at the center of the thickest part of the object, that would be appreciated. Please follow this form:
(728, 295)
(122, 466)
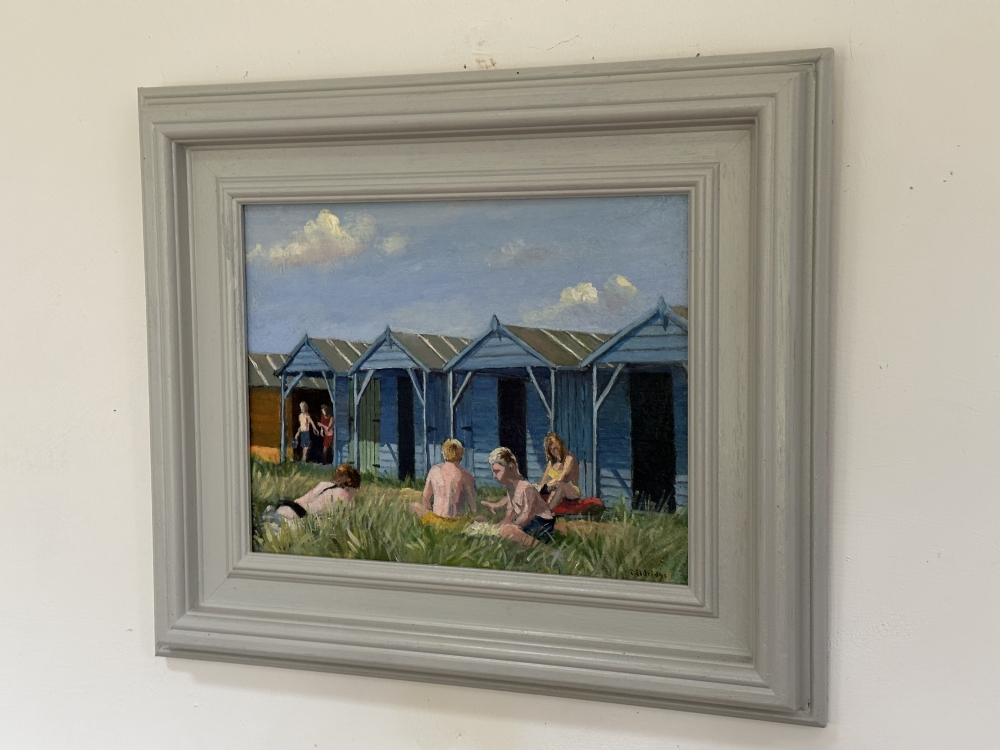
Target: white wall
(915, 652)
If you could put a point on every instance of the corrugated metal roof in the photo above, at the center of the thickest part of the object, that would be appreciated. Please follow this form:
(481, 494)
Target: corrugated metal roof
(431, 350)
(561, 348)
(261, 367)
(260, 374)
(340, 353)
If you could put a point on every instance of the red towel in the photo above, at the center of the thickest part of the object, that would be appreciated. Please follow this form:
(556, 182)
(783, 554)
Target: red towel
(577, 507)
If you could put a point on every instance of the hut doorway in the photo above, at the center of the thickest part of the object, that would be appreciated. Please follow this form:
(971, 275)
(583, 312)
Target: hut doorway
(654, 455)
(314, 399)
(407, 442)
(512, 413)
(368, 428)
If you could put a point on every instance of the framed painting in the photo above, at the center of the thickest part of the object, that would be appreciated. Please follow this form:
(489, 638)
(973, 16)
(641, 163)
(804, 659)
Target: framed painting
(513, 379)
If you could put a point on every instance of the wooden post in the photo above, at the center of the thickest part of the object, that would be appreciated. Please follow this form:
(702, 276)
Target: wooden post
(332, 393)
(596, 472)
(427, 457)
(354, 425)
(333, 408)
(452, 404)
(598, 400)
(552, 399)
(281, 419)
(546, 402)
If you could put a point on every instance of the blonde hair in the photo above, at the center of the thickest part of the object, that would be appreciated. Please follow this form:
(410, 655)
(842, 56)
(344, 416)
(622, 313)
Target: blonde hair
(504, 457)
(452, 450)
(553, 439)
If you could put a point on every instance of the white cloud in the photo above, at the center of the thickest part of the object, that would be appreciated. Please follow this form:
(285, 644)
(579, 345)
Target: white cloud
(584, 306)
(619, 293)
(326, 239)
(394, 243)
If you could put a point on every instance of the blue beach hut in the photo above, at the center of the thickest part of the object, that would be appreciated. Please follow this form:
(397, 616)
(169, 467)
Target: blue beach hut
(514, 384)
(319, 363)
(399, 399)
(639, 410)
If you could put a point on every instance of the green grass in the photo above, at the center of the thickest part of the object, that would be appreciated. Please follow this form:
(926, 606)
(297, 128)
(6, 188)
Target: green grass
(623, 545)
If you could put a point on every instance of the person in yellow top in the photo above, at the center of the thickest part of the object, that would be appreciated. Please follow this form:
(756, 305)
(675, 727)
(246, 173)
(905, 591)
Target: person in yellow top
(561, 479)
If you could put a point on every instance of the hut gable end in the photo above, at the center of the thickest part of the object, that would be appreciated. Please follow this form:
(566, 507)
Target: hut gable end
(307, 359)
(498, 352)
(659, 337)
(409, 351)
(389, 356)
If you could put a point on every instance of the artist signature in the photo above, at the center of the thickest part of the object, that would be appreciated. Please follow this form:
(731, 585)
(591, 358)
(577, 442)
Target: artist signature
(643, 573)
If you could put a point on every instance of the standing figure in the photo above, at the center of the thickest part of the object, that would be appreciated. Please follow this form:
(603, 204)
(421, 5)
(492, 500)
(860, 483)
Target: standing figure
(306, 429)
(528, 519)
(561, 479)
(326, 428)
(450, 491)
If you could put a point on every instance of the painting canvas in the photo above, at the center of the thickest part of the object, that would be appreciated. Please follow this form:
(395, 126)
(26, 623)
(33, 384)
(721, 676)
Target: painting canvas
(498, 384)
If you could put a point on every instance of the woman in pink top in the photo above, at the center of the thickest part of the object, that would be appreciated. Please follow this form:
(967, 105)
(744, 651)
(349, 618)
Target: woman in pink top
(450, 491)
(528, 519)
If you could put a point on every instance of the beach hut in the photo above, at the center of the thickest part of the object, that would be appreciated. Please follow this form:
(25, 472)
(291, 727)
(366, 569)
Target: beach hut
(322, 365)
(639, 410)
(263, 401)
(514, 384)
(398, 392)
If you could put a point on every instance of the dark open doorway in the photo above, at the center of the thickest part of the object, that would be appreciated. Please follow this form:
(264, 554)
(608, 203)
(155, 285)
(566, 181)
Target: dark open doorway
(314, 399)
(512, 411)
(654, 455)
(404, 421)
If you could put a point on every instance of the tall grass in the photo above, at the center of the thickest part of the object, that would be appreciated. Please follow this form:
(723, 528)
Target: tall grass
(624, 545)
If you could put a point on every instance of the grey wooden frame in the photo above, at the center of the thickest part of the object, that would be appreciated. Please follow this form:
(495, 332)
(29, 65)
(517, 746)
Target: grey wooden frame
(748, 139)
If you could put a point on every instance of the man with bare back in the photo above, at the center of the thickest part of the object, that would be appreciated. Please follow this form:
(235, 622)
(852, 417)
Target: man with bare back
(450, 491)
(528, 519)
(306, 429)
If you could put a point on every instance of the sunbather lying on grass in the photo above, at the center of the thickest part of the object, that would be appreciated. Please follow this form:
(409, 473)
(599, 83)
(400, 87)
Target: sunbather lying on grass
(324, 496)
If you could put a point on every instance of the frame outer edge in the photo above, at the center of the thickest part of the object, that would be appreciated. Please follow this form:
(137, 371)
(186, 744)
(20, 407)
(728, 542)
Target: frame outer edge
(820, 396)
(154, 326)
(158, 96)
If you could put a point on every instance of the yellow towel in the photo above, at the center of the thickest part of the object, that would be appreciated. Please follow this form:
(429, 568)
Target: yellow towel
(433, 519)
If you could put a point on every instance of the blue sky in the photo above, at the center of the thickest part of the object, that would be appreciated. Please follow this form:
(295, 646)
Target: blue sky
(348, 270)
